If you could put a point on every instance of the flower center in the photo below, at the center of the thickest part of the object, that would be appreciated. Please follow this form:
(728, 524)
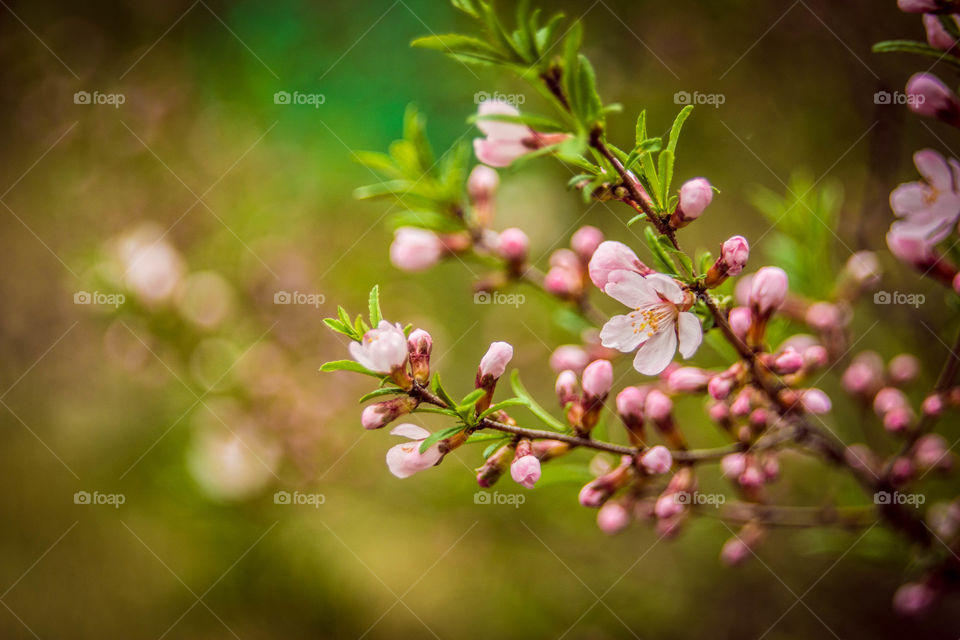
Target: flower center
(652, 319)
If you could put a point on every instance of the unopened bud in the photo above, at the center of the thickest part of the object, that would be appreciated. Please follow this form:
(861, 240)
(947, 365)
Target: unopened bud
(419, 344)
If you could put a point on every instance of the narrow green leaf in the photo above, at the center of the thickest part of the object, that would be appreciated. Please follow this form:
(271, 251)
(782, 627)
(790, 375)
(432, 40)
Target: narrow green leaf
(636, 218)
(677, 126)
(472, 398)
(489, 451)
(438, 387)
(348, 365)
(512, 402)
(440, 435)
(374, 304)
(910, 46)
(666, 174)
(429, 408)
(386, 391)
(542, 414)
(659, 253)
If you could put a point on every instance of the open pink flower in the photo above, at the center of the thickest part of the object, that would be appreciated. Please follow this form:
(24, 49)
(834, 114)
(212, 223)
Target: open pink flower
(383, 349)
(405, 459)
(658, 324)
(928, 209)
(507, 141)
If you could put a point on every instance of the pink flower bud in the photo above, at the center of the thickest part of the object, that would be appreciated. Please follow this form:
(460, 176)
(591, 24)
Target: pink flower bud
(569, 356)
(771, 468)
(815, 401)
(864, 375)
(734, 552)
(768, 290)
(888, 399)
(901, 471)
(415, 249)
(514, 245)
(824, 316)
(695, 196)
(740, 319)
(630, 403)
(928, 96)
(733, 465)
(752, 477)
(483, 183)
(585, 242)
(383, 349)
(566, 387)
(937, 36)
(863, 268)
(790, 361)
(956, 283)
(613, 517)
(910, 249)
(742, 403)
(562, 282)
(494, 362)
(758, 418)
(593, 495)
(525, 471)
(657, 460)
(921, 6)
(913, 598)
(719, 387)
(897, 419)
(381, 414)
(734, 254)
(719, 412)
(657, 405)
(613, 256)
(688, 379)
(816, 356)
(933, 405)
(597, 379)
(419, 346)
(667, 506)
(930, 451)
(904, 368)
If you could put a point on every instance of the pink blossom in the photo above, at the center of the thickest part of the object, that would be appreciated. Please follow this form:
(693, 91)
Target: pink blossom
(415, 249)
(657, 325)
(562, 282)
(913, 598)
(657, 460)
(507, 141)
(863, 268)
(734, 253)
(613, 517)
(740, 319)
(815, 401)
(381, 414)
(719, 412)
(888, 399)
(931, 450)
(383, 349)
(695, 196)
(585, 241)
(735, 551)
(483, 183)
(920, 6)
(525, 471)
(630, 403)
(816, 355)
(864, 375)
(688, 379)
(933, 405)
(927, 209)
(789, 361)
(752, 477)
(768, 290)
(956, 283)
(569, 356)
(495, 361)
(733, 464)
(937, 35)
(720, 387)
(405, 459)
(566, 387)
(824, 316)
(904, 368)
(657, 405)
(928, 96)
(419, 345)
(668, 506)
(597, 379)
(909, 248)
(613, 256)
(513, 245)
(898, 419)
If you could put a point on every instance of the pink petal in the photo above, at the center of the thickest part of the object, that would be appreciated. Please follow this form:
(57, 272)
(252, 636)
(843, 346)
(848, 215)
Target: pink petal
(631, 289)
(411, 431)
(909, 198)
(656, 353)
(618, 333)
(689, 332)
(498, 153)
(496, 130)
(933, 168)
(666, 286)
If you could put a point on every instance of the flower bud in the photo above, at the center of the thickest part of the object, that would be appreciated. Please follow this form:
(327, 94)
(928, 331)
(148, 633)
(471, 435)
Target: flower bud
(956, 283)
(597, 380)
(613, 517)
(824, 316)
(695, 196)
(864, 376)
(926, 6)
(562, 282)
(740, 319)
(816, 356)
(734, 464)
(569, 356)
(937, 36)
(482, 184)
(658, 406)
(566, 387)
(933, 406)
(815, 401)
(787, 362)
(493, 468)
(928, 96)
(595, 493)
(719, 413)
(733, 258)
(931, 451)
(585, 242)
(525, 471)
(419, 345)
(768, 290)
(668, 506)
(898, 419)
(514, 245)
(742, 404)
(381, 414)
(888, 399)
(720, 387)
(688, 379)
(415, 249)
(494, 362)
(863, 269)
(613, 256)
(383, 350)
(904, 368)
(740, 547)
(913, 598)
(657, 460)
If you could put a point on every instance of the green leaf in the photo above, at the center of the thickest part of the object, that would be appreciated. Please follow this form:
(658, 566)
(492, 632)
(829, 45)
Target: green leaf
(339, 327)
(426, 220)
(660, 254)
(512, 402)
(374, 304)
(487, 436)
(386, 391)
(542, 414)
(911, 46)
(429, 408)
(438, 387)
(440, 435)
(540, 123)
(666, 173)
(636, 218)
(455, 43)
(641, 128)
(489, 451)
(348, 365)
(467, 6)
(471, 398)
(677, 126)
(705, 261)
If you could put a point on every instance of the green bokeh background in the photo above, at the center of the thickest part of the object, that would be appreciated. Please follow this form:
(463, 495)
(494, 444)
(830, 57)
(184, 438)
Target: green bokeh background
(383, 558)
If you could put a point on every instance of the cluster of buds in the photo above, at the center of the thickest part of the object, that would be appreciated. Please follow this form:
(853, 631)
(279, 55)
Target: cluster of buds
(583, 402)
(567, 277)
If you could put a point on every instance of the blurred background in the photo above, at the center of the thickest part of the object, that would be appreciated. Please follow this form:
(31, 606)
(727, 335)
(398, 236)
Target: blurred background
(156, 393)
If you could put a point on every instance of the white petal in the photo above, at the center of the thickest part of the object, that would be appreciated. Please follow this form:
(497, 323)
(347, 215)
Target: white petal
(654, 356)
(618, 333)
(666, 286)
(498, 153)
(360, 355)
(411, 431)
(933, 168)
(909, 198)
(497, 130)
(631, 289)
(689, 332)
(398, 459)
